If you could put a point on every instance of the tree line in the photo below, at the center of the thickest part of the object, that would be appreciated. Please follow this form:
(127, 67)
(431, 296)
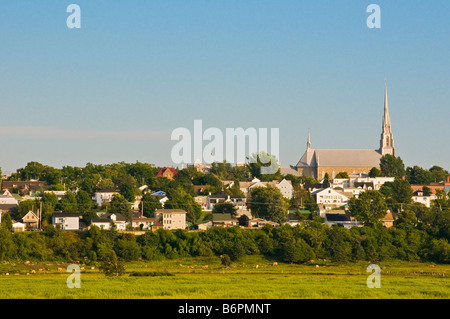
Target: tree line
(424, 238)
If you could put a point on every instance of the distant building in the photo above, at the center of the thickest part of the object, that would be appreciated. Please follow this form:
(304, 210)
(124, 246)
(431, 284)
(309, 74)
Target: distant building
(224, 220)
(319, 162)
(66, 220)
(285, 186)
(419, 197)
(171, 218)
(31, 188)
(104, 221)
(167, 172)
(104, 195)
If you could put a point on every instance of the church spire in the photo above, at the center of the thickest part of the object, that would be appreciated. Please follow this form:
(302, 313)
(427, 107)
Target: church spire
(387, 138)
(308, 144)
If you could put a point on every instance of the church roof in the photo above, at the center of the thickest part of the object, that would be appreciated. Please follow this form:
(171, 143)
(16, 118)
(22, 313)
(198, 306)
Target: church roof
(340, 158)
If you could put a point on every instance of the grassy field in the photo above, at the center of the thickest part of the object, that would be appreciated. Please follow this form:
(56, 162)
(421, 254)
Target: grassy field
(254, 278)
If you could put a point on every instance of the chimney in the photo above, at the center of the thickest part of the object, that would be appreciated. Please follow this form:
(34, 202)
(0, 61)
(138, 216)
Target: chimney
(448, 179)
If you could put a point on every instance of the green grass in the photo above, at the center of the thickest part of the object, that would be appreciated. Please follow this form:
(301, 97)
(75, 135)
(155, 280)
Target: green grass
(242, 280)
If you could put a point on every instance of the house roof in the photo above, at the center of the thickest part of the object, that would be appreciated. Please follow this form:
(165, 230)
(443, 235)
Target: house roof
(108, 190)
(66, 214)
(163, 169)
(106, 218)
(8, 207)
(221, 217)
(340, 158)
(172, 211)
(338, 217)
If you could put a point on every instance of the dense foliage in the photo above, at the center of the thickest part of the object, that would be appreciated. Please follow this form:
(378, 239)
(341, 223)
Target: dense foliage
(420, 235)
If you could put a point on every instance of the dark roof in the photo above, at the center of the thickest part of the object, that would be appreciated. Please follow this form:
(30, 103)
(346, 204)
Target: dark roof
(66, 214)
(106, 218)
(23, 184)
(338, 217)
(221, 217)
(108, 190)
(225, 196)
(163, 169)
(173, 211)
(8, 207)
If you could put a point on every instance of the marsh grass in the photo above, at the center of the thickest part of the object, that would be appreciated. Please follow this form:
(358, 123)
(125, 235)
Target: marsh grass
(188, 278)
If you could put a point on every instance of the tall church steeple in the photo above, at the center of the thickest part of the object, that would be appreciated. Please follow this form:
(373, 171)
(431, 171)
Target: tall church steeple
(387, 138)
(308, 144)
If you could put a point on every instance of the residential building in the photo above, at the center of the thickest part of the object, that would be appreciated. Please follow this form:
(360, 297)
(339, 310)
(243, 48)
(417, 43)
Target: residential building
(224, 220)
(236, 200)
(8, 203)
(171, 218)
(284, 185)
(260, 223)
(419, 197)
(66, 220)
(141, 222)
(167, 172)
(31, 220)
(330, 196)
(388, 220)
(18, 227)
(104, 196)
(31, 188)
(340, 217)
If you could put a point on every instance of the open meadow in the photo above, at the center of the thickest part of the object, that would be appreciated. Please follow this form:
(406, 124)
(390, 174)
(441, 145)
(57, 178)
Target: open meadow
(254, 277)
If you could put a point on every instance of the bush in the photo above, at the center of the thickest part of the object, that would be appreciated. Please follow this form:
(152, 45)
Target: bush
(226, 260)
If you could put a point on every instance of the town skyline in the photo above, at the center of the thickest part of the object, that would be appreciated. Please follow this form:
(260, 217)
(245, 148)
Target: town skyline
(116, 88)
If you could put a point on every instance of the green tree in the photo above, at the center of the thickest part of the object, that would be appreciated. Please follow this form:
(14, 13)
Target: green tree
(406, 220)
(392, 166)
(375, 172)
(438, 174)
(225, 208)
(120, 205)
(84, 201)
(342, 175)
(368, 208)
(110, 265)
(6, 221)
(268, 203)
(416, 175)
(150, 204)
(69, 202)
(261, 161)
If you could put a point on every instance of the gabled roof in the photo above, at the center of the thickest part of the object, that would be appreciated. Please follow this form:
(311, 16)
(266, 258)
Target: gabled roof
(163, 169)
(339, 158)
(171, 211)
(106, 218)
(66, 214)
(108, 190)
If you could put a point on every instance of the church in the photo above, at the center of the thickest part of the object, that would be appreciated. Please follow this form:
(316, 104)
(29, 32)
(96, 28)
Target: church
(318, 162)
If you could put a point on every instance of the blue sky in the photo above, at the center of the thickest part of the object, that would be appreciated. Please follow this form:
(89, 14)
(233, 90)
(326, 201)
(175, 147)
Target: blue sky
(115, 89)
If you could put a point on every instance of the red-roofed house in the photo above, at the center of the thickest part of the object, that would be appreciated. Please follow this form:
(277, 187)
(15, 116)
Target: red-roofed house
(167, 172)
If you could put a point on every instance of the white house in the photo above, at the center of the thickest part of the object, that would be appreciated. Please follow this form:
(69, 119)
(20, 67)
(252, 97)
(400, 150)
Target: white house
(285, 186)
(329, 196)
(103, 221)
(171, 218)
(104, 196)
(8, 199)
(18, 227)
(236, 200)
(66, 220)
(419, 197)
